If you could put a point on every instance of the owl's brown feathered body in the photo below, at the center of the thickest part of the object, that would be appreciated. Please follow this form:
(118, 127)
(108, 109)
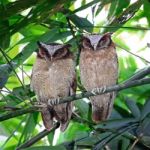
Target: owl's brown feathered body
(99, 68)
(53, 79)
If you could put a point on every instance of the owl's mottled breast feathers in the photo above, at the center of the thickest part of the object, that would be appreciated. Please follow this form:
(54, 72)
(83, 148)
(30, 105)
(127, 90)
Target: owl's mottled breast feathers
(99, 68)
(53, 76)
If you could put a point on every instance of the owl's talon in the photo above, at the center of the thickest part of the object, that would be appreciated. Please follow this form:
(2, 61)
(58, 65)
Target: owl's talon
(101, 90)
(104, 89)
(52, 102)
(94, 91)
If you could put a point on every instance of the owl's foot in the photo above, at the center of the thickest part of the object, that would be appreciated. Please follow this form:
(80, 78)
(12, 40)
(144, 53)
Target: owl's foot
(101, 90)
(52, 102)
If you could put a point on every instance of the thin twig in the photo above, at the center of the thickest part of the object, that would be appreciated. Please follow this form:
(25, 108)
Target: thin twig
(98, 27)
(139, 75)
(11, 93)
(5, 56)
(22, 73)
(110, 137)
(18, 113)
(13, 69)
(133, 54)
(3, 96)
(133, 145)
(37, 137)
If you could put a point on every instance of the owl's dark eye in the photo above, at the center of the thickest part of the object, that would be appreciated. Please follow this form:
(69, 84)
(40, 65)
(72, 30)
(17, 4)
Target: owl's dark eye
(43, 52)
(59, 52)
(104, 42)
(86, 43)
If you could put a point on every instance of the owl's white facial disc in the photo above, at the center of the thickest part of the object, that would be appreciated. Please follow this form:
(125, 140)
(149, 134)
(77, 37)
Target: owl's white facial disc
(94, 39)
(51, 48)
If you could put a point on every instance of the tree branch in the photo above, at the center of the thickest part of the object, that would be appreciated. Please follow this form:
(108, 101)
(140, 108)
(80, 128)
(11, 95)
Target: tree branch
(139, 75)
(146, 61)
(118, 87)
(17, 113)
(37, 137)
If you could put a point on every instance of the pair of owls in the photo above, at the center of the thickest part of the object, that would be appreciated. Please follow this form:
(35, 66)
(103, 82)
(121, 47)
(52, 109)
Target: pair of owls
(54, 76)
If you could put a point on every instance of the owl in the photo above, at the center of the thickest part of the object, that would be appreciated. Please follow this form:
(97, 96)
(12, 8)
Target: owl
(53, 76)
(99, 68)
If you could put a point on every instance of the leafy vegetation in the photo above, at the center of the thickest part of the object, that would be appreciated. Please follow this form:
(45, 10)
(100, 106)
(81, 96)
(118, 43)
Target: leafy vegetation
(23, 23)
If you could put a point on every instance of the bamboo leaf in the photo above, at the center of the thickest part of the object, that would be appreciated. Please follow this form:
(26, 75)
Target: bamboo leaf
(133, 107)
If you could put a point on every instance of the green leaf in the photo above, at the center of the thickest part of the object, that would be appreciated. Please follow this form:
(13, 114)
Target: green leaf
(83, 108)
(29, 127)
(133, 107)
(31, 47)
(70, 133)
(125, 144)
(146, 140)
(82, 23)
(145, 110)
(59, 147)
(112, 10)
(86, 6)
(4, 34)
(50, 137)
(15, 7)
(114, 124)
(146, 10)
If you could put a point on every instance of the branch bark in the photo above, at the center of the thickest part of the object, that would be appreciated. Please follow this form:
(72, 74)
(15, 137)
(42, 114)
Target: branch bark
(17, 113)
(118, 87)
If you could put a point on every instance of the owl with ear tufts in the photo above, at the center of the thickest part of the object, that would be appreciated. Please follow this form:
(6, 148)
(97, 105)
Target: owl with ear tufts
(53, 76)
(99, 68)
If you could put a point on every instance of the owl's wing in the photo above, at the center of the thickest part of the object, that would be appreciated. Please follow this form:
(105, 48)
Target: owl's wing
(69, 106)
(103, 110)
(31, 86)
(47, 117)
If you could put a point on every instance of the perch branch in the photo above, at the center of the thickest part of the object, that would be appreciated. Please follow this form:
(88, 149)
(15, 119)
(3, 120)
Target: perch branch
(118, 87)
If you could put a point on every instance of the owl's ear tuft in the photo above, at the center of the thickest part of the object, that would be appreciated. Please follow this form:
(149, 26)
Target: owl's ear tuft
(42, 51)
(67, 45)
(105, 41)
(39, 43)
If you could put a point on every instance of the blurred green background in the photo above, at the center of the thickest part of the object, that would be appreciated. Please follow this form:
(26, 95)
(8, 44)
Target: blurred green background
(23, 23)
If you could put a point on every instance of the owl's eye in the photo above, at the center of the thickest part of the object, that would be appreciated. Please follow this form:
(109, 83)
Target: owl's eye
(42, 52)
(104, 42)
(86, 43)
(59, 52)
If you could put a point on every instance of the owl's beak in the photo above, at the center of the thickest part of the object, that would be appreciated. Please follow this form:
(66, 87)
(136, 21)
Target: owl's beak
(94, 46)
(51, 58)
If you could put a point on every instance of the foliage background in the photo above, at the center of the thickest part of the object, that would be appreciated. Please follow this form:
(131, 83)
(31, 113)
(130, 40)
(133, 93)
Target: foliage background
(23, 23)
